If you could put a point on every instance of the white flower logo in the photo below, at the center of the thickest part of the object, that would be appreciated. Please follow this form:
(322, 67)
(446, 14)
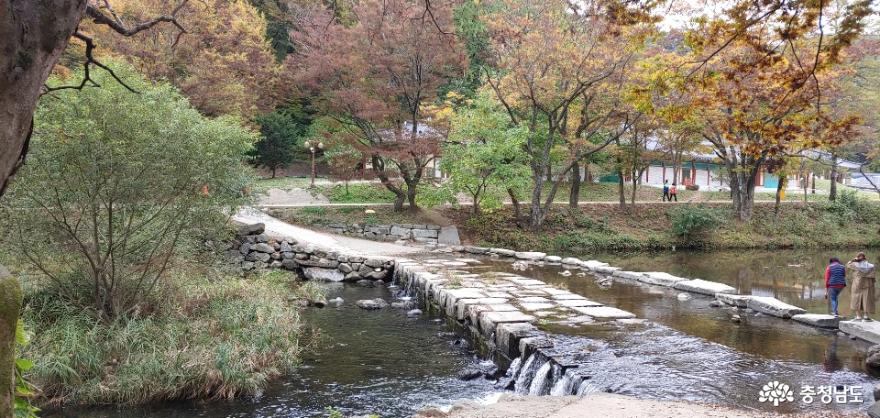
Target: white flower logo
(775, 392)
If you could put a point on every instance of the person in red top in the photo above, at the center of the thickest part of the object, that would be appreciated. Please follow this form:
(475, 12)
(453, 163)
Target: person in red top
(835, 281)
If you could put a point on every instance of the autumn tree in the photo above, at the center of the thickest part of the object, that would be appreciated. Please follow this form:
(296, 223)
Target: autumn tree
(224, 63)
(559, 72)
(762, 98)
(376, 76)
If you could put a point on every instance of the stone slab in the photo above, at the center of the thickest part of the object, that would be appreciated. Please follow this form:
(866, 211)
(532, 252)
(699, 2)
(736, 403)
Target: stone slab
(772, 306)
(529, 255)
(660, 278)
(574, 303)
(448, 236)
(868, 331)
(604, 312)
(316, 273)
(474, 311)
(818, 320)
(507, 337)
(632, 275)
(491, 319)
(704, 287)
(740, 301)
(536, 306)
(504, 252)
(462, 305)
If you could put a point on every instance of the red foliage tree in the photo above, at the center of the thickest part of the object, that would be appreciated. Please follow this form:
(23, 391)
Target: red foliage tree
(375, 78)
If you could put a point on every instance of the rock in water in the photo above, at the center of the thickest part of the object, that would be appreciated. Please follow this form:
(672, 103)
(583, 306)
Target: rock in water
(470, 374)
(874, 410)
(872, 359)
(371, 304)
(338, 301)
(414, 313)
(735, 319)
(402, 304)
(715, 303)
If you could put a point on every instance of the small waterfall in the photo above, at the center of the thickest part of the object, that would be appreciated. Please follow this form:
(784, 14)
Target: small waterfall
(541, 382)
(562, 386)
(526, 373)
(514, 367)
(586, 387)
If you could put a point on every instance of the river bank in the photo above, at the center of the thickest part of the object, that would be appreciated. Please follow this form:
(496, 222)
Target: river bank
(606, 405)
(643, 227)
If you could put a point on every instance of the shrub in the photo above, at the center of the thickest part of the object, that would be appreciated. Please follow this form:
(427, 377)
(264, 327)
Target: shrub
(117, 182)
(358, 193)
(693, 187)
(691, 222)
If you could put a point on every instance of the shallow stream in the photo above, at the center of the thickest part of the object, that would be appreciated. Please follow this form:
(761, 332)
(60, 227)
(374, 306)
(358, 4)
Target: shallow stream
(385, 363)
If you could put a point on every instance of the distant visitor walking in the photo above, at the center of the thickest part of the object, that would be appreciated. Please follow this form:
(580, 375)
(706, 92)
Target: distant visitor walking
(666, 190)
(862, 287)
(673, 193)
(835, 281)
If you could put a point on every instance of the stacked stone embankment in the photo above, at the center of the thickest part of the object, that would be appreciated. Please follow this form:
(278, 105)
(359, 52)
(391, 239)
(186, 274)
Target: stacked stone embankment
(421, 233)
(254, 249)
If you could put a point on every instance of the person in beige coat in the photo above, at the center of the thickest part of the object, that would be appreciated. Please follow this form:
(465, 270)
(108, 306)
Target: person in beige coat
(862, 287)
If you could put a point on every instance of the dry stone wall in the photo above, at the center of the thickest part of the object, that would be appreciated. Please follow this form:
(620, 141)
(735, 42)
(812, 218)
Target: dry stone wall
(391, 232)
(253, 249)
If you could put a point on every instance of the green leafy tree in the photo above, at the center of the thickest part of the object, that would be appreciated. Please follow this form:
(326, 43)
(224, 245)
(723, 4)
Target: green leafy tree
(115, 186)
(485, 157)
(280, 139)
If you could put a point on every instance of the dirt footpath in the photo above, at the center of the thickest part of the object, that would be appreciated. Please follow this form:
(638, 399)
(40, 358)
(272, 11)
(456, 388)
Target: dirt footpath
(604, 405)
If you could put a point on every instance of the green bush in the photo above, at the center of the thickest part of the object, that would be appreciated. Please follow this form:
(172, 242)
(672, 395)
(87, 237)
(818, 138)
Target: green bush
(692, 222)
(358, 193)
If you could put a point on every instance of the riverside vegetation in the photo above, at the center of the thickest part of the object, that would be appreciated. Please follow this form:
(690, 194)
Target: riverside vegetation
(115, 234)
(849, 221)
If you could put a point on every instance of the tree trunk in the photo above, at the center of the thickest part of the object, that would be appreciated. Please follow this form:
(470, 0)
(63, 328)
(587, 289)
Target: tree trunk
(32, 37)
(832, 194)
(10, 305)
(574, 194)
(379, 170)
(742, 189)
(621, 193)
(635, 188)
(779, 188)
(536, 215)
(273, 172)
(517, 212)
(411, 195)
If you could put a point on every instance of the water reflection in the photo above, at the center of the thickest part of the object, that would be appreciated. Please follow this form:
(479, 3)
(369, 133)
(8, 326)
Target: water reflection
(793, 276)
(760, 335)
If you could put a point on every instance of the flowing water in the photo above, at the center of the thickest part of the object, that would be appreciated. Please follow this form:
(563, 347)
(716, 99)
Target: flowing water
(383, 362)
(365, 362)
(689, 350)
